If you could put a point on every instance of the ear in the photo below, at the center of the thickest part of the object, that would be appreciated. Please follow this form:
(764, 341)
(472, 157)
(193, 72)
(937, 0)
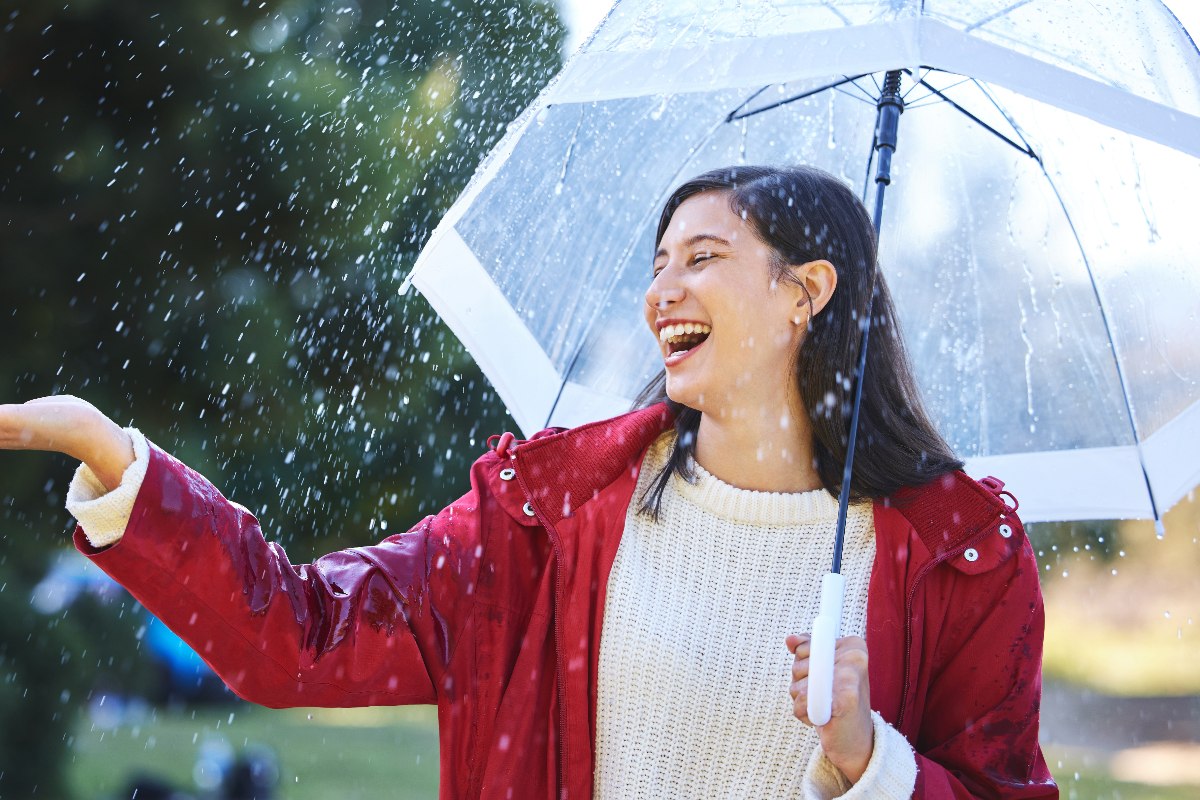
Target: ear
(816, 282)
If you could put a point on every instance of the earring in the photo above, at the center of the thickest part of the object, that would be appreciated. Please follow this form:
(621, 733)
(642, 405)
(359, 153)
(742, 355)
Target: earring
(807, 301)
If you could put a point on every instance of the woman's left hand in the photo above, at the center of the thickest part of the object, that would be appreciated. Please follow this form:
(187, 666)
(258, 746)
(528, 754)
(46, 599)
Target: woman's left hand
(848, 739)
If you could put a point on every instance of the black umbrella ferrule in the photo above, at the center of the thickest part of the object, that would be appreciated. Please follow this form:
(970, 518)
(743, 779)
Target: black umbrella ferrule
(891, 106)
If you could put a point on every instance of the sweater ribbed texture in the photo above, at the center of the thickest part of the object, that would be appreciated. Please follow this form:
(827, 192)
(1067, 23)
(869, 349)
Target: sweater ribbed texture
(104, 515)
(694, 673)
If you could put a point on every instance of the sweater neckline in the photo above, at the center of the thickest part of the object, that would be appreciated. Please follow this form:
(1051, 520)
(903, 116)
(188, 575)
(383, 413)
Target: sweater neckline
(749, 506)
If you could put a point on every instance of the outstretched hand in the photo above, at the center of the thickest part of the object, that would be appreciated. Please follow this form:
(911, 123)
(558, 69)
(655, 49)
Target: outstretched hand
(848, 739)
(68, 425)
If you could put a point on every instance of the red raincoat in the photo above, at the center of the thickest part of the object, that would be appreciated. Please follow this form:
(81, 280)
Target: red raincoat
(492, 609)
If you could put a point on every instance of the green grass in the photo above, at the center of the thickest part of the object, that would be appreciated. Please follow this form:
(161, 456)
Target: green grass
(322, 753)
(1083, 775)
(380, 752)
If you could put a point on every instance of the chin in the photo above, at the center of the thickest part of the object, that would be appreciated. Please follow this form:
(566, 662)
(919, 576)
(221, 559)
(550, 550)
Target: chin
(683, 393)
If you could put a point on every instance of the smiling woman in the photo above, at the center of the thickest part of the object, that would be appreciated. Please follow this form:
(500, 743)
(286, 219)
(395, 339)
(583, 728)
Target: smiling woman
(768, 251)
(621, 609)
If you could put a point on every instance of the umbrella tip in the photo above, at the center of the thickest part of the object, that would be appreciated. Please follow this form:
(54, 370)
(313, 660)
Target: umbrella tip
(1159, 530)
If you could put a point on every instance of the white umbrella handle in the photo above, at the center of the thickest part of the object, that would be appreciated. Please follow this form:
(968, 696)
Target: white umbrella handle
(826, 628)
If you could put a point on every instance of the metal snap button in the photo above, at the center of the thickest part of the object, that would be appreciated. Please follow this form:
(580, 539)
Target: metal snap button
(1006, 530)
(507, 474)
(528, 509)
(971, 554)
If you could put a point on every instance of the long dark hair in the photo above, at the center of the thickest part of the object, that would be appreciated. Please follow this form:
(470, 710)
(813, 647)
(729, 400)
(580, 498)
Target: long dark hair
(804, 214)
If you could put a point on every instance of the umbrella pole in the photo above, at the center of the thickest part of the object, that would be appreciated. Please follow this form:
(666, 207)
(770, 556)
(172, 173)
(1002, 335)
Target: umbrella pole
(827, 625)
(891, 106)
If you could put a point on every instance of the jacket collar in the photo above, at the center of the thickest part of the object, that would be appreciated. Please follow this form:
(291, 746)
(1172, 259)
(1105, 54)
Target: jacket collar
(952, 512)
(565, 468)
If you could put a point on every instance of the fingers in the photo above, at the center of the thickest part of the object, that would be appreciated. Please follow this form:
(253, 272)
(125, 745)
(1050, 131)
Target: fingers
(851, 647)
(850, 682)
(799, 692)
(795, 640)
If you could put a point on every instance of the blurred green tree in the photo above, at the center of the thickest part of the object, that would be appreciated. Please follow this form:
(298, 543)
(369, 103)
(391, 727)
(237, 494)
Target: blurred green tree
(206, 209)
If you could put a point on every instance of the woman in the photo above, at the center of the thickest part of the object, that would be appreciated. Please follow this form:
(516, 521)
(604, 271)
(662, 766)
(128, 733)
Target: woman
(619, 610)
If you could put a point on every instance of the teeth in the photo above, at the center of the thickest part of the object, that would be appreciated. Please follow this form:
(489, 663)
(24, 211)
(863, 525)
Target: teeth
(669, 332)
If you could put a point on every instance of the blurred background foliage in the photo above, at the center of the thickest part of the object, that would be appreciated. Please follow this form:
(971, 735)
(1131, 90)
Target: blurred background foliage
(206, 210)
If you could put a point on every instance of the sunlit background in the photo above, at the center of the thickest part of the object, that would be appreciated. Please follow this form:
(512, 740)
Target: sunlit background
(207, 211)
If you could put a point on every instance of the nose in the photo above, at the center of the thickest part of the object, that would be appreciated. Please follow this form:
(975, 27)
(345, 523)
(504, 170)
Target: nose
(662, 293)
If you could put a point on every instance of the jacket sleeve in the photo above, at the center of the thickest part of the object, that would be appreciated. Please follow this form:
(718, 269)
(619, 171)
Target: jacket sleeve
(979, 730)
(365, 626)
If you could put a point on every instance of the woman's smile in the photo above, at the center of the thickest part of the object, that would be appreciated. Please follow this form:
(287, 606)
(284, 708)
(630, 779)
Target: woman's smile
(681, 338)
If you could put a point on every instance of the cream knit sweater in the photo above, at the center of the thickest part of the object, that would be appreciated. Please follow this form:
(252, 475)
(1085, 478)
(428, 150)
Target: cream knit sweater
(694, 674)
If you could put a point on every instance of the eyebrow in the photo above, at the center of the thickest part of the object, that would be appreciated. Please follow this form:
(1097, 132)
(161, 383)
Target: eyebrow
(693, 241)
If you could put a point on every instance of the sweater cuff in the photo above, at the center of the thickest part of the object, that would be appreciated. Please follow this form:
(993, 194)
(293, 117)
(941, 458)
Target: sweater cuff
(104, 515)
(891, 773)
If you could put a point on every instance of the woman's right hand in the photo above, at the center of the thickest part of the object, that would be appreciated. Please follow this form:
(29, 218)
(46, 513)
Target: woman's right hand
(66, 424)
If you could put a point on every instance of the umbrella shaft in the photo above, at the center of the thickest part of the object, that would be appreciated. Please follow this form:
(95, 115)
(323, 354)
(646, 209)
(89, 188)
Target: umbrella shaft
(891, 105)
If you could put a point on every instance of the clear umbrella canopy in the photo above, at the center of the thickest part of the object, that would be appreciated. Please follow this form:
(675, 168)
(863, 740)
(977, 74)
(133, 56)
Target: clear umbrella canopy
(1035, 235)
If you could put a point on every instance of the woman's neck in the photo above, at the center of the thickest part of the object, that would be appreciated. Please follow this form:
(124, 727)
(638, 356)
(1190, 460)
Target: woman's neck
(766, 449)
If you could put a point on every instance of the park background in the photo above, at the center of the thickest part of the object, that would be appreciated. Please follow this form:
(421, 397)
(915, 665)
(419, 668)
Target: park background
(207, 212)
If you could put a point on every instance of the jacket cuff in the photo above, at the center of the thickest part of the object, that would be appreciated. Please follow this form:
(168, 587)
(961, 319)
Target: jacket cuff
(104, 515)
(891, 773)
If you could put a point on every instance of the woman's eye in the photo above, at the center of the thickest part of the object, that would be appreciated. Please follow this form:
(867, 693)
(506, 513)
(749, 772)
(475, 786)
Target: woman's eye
(696, 259)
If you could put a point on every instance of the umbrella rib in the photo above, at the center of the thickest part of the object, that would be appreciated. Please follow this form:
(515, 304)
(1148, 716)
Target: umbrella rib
(1002, 12)
(1027, 150)
(871, 98)
(924, 102)
(919, 84)
(845, 20)
(928, 70)
(1012, 122)
(1112, 343)
(853, 96)
(870, 164)
(747, 101)
(735, 115)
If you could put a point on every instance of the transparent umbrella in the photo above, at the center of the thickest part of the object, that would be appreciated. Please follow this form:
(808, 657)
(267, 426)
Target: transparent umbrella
(1036, 236)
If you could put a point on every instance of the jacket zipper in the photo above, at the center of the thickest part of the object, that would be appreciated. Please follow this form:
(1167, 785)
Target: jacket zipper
(552, 532)
(561, 677)
(908, 624)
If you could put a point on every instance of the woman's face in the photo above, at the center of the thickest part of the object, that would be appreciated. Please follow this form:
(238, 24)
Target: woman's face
(728, 333)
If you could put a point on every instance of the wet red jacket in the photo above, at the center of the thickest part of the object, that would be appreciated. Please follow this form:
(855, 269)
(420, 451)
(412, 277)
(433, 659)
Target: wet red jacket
(492, 609)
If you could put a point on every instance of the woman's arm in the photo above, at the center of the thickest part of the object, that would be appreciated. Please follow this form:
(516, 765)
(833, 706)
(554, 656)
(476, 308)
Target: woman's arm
(366, 626)
(71, 426)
